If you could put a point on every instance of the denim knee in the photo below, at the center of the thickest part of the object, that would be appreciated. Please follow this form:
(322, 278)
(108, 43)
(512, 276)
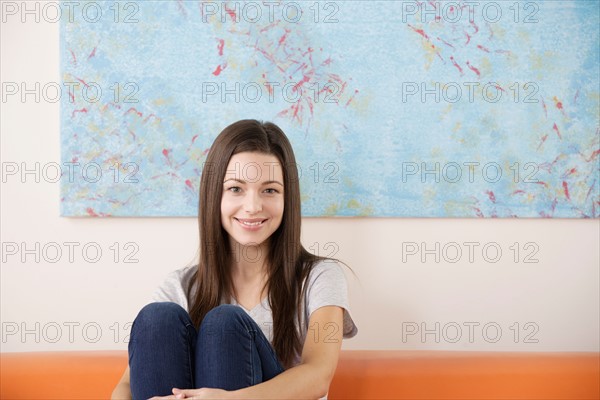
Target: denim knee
(226, 317)
(161, 350)
(153, 318)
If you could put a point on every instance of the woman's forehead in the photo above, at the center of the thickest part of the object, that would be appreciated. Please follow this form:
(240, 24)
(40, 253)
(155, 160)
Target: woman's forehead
(254, 167)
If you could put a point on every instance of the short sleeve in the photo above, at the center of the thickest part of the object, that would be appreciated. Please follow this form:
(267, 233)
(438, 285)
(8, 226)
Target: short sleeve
(174, 286)
(327, 286)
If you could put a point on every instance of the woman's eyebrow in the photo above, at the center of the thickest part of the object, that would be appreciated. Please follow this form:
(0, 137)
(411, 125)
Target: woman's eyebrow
(244, 182)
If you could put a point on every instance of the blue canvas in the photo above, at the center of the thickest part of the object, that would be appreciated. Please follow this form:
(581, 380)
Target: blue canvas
(394, 109)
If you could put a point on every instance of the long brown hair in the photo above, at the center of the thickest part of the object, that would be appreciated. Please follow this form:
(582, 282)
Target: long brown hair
(288, 262)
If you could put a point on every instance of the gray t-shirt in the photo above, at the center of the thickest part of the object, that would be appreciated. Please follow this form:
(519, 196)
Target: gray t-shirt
(327, 285)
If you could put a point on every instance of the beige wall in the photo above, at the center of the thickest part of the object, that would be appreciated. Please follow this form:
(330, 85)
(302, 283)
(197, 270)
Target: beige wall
(551, 305)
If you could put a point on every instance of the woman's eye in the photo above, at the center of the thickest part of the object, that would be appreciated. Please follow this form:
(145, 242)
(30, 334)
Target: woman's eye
(237, 189)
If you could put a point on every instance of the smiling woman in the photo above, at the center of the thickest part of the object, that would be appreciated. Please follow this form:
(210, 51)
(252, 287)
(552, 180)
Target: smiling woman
(236, 324)
(253, 198)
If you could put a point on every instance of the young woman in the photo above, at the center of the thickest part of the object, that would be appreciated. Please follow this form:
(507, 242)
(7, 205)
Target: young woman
(258, 316)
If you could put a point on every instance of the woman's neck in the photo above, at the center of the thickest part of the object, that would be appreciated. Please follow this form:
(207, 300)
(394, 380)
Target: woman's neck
(249, 264)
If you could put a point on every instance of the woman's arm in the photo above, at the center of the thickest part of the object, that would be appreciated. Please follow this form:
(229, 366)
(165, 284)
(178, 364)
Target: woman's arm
(311, 378)
(308, 380)
(122, 391)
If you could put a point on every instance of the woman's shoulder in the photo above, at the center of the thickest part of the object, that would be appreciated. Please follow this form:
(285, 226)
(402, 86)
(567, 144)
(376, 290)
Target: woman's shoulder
(174, 286)
(325, 269)
(328, 285)
(181, 275)
(325, 264)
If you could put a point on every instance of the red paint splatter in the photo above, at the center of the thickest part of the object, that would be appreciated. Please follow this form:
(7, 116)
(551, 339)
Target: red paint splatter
(483, 48)
(188, 183)
(311, 106)
(299, 84)
(83, 110)
(289, 58)
(139, 114)
(105, 107)
(283, 37)
(474, 25)
(194, 138)
(92, 54)
(82, 81)
(74, 59)
(590, 191)
(468, 38)
(151, 116)
(594, 155)
(302, 67)
(220, 46)
(456, 65)
(231, 13)
(270, 88)
(491, 195)
(351, 98)
(446, 43)
(219, 69)
(545, 109)
(557, 131)
(472, 68)
(566, 189)
(548, 166)
(90, 212)
(270, 26)
(543, 140)
(569, 172)
(419, 31)
(559, 105)
(166, 154)
(181, 8)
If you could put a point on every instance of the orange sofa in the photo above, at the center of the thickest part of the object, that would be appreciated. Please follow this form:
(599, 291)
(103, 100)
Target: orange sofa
(361, 374)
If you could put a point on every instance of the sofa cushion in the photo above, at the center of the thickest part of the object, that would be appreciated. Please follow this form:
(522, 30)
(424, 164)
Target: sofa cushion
(361, 374)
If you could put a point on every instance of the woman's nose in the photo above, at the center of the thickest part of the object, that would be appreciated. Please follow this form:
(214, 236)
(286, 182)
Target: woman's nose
(252, 203)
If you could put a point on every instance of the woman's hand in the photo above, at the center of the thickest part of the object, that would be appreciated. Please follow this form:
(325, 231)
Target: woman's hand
(198, 394)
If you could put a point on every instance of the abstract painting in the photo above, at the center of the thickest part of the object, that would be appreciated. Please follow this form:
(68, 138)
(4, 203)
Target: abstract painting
(393, 108)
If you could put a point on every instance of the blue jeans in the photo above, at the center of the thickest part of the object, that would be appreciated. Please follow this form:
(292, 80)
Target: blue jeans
(228, 352)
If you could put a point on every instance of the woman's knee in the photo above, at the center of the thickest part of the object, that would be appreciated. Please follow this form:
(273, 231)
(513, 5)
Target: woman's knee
(226, 316)
(158, 314)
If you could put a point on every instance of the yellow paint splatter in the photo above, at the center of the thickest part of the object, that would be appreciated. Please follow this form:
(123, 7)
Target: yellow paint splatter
(332, 209)
(353, 204)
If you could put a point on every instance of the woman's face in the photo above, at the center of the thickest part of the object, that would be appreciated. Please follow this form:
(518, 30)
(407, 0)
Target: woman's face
(252, 200)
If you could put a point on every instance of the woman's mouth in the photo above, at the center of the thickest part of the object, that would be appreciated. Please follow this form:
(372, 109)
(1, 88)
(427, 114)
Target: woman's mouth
(251, 224)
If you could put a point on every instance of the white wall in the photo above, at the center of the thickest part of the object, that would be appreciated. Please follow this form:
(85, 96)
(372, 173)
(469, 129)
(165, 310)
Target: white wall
(558, 296)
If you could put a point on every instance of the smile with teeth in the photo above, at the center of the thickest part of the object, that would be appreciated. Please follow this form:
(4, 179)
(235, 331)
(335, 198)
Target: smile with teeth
(251, 223)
